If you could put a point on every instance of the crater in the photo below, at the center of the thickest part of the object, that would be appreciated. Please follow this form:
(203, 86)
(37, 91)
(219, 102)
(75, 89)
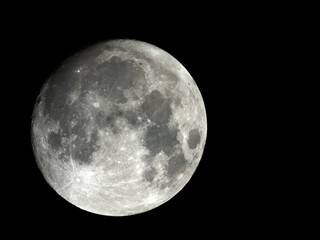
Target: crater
(115, 59)
(193, 138)
(156, 107)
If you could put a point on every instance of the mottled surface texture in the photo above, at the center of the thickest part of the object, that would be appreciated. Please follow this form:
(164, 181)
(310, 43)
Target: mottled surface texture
(119, 128)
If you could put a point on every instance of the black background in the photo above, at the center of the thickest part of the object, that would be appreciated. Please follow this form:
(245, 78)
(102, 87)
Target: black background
(212, 44)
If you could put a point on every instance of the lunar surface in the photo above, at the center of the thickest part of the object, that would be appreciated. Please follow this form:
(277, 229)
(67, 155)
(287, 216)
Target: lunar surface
(119, 128)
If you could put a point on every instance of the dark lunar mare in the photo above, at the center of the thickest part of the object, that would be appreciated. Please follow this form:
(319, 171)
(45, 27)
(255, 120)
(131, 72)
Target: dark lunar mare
(157, 107)
(108, 80)
(80, 143)
(136, 91)
(149, 174)
(176, 165)
(159, 137)
(54, 140)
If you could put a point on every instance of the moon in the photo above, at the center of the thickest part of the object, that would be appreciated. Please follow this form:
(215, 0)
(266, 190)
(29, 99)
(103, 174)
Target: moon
(119, 128)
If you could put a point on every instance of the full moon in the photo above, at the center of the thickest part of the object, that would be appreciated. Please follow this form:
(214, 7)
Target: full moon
(119, 128)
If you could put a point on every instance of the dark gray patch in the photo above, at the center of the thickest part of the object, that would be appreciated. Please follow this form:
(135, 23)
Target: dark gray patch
(113, 48)
(142, 56)
(156, 67)
(79, 128)
(54, 140)
(115, 130)
(169, 75)
(132, 118)
(156, 107)
(176, 165)
(103, 120)
(115, 59)
(150, 174)
(114, 76)
(159, 138)
(177, 102)
(94, 140)
(194, 138)
(75, 113)
(68, 114)
(63, 82)
(164, 185)
(82, 150)
(64, 156)
(55, 100)
(66, 153)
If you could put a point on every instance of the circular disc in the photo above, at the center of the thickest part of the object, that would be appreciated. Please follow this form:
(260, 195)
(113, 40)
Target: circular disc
(119, 128)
